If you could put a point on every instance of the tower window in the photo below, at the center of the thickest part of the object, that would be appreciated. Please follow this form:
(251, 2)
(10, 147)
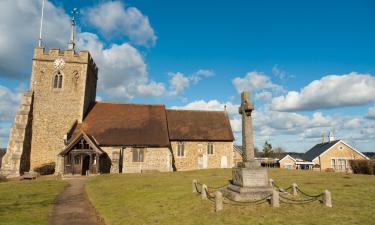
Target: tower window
(57, 80)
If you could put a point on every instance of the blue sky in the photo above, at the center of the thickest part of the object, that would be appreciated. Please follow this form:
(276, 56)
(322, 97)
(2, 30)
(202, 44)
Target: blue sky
(200, 54)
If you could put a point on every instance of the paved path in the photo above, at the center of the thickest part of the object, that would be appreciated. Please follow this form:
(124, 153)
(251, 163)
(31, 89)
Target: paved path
(73, 207)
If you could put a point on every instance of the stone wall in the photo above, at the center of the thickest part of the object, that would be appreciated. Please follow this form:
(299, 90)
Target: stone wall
(55, 109)
(338, 151)
(196, 156)
(158, 159)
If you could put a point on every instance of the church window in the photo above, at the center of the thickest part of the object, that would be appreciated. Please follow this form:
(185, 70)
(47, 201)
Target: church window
(180, 149)
(138, 154)
(57, 80)
(210, 148)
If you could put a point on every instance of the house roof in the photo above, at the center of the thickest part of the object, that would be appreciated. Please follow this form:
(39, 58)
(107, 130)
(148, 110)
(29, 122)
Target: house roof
(318, 149)
(121, 124)
(287, 156)
(196, 125)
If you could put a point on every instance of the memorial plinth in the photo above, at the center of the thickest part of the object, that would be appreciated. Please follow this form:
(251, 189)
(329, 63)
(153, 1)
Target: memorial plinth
(249, 180)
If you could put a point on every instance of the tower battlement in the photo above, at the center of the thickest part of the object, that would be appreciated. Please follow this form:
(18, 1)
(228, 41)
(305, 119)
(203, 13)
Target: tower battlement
(69, 56)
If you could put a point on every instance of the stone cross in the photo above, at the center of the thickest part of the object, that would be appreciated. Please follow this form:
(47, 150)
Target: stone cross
(247, 127)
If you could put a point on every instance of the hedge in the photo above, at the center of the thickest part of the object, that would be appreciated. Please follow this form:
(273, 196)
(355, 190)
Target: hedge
(363, 166)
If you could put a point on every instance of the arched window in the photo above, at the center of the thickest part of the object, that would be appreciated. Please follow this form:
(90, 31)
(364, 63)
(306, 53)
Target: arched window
(60, 81)
(57, 80)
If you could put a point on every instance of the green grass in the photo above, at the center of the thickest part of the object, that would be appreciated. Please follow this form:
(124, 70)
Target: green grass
(28, 202)
(166, 198)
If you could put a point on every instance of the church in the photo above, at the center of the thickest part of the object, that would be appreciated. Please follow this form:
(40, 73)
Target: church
(60, 123)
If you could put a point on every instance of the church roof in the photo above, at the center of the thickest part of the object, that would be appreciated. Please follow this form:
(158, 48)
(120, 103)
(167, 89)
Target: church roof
(121, 124)
(124, 124)
(196, 125)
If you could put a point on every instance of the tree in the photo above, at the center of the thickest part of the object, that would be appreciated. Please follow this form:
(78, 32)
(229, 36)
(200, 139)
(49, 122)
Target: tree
(267, 149)
(278, 151)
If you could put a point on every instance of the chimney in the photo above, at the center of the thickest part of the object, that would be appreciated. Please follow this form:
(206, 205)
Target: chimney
(323, 137)
(331, 137)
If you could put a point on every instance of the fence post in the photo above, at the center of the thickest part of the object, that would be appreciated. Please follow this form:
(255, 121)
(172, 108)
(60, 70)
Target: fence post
(327, 200)
(218, 201)
(194, 186)
(294, 186)
(203, 192)
(275, 200)
(271, 181)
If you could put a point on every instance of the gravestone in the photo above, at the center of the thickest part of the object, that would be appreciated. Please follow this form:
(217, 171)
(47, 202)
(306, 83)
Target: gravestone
(249, 179)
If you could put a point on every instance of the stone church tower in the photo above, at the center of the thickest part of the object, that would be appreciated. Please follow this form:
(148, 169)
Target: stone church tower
(62, 89)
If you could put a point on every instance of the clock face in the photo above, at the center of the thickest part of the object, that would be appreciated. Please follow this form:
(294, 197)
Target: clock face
(59, 64)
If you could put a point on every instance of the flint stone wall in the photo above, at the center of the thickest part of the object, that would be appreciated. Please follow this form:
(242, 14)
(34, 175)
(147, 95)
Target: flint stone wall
(195, 151)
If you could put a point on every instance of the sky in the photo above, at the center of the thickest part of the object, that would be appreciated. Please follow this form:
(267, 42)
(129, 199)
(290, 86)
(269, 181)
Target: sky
(309, 65)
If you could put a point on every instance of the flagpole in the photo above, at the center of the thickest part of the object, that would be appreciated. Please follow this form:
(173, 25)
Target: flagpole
(41, 26)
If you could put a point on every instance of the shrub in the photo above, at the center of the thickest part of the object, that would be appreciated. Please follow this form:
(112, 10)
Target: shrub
(46, 169)
(363, 166)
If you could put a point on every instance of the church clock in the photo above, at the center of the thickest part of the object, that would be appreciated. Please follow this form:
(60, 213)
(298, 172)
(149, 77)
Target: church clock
(59, 64)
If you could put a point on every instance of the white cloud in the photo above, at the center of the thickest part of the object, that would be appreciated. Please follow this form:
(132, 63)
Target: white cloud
(329, 92)
(254, 81)
(113, 19)
(123, 72)
(278, 72)
(179, 81)
(264, 96)
(151, 89)
(20, 31)
(9, 103)
(371, 113)
(353, 123)
(197, 76)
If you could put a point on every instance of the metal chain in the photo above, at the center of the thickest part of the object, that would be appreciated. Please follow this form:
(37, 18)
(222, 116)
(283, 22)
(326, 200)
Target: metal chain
(312, 196)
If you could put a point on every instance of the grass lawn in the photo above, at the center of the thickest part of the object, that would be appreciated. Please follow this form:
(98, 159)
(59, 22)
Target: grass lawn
(28, 202)
(166, 198)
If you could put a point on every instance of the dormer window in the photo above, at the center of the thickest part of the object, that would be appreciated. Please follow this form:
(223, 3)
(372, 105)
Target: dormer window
(57, 80)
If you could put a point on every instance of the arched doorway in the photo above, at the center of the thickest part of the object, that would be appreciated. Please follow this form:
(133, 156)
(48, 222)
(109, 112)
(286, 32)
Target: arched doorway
(85, 164)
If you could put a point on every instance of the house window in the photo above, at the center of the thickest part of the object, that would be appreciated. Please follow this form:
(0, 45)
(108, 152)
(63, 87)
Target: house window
(180, 149)
(341, 164)
(210, 148)
(57, 80)
(69, 159)
(77, 159)
(138, 154)
(333, 163)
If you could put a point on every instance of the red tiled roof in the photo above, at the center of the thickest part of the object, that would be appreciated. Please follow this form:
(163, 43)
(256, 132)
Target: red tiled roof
(123, 124)
(197, 125)
(115, 124)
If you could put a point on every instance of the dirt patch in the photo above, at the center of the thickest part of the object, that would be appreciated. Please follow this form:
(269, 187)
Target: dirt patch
(73, 206)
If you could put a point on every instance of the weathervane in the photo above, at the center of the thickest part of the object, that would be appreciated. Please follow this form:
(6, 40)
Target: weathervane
(71, 41)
